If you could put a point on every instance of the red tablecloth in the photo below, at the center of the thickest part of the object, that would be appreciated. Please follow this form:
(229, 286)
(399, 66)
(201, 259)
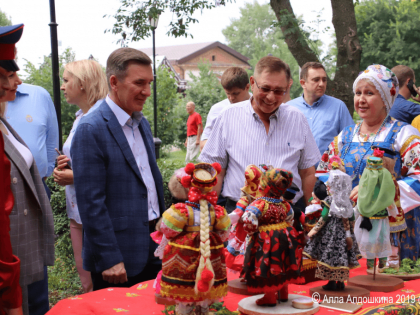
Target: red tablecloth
(140, 299)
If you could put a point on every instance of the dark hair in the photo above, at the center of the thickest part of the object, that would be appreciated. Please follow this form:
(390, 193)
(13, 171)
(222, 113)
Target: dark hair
(234, 77)
(403, 73)
(320, 190)
(272, 64)
(119, 60)
(310, 65)
(291, 192)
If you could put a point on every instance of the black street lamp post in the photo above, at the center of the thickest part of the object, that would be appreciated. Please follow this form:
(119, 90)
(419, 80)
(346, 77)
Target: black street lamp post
(154, 23)
(55, 70)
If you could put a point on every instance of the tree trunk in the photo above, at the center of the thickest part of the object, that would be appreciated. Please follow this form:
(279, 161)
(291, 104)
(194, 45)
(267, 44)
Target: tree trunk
(349, 49)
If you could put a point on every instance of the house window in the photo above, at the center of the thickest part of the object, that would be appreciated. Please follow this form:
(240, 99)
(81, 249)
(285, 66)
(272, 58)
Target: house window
(213, 58)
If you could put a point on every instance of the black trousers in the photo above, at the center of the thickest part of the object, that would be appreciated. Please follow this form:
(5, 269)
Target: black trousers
(150, 271)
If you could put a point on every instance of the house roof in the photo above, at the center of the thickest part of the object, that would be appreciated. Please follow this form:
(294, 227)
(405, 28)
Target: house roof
(182, 53)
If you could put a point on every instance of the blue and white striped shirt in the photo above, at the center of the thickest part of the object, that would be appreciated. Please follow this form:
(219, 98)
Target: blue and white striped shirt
(239, 138)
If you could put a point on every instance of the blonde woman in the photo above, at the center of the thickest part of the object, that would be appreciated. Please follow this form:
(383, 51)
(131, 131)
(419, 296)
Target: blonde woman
(84, 85)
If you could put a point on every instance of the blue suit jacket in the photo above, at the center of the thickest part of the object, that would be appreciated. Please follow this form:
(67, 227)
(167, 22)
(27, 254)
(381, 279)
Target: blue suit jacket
(111, 194)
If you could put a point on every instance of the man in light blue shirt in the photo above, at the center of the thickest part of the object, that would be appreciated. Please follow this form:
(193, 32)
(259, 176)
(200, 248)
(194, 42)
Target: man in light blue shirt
(32, 115)
(326, 115)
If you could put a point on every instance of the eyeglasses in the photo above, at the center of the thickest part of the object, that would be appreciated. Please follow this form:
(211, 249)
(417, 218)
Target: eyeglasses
(277, 92)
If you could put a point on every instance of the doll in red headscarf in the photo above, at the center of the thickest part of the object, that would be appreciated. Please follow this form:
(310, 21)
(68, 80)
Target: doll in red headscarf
(274, 254)
(193, 266)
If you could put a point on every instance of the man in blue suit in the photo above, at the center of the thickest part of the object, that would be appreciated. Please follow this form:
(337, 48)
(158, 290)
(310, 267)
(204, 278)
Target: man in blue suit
(119, 187)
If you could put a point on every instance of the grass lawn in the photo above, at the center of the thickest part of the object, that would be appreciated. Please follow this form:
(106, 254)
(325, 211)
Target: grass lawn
(177, 156)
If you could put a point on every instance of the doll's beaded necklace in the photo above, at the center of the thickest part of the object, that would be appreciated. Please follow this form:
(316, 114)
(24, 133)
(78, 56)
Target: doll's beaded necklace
(193, 204)
(357, 132)
(270, 200)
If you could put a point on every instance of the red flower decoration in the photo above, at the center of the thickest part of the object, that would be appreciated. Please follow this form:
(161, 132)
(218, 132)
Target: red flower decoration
(217, 167)
(189, 168)
(393, 91)
(378, 153)
(324, 157)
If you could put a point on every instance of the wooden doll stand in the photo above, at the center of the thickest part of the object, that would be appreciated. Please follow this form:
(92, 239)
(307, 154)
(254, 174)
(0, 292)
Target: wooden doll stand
(247, 306)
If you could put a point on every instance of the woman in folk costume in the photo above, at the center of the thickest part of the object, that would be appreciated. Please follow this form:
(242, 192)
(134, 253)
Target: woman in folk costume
(375, 203)
(375, 91)
(193, 266)
(236, 246)
(332, 242)
(274, 253)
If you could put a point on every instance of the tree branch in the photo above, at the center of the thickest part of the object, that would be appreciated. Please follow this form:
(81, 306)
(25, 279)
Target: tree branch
(348, 46)
(294, 37)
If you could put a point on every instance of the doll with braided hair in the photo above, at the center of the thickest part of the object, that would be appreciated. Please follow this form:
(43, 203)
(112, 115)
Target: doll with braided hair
(274, 253)
(193, 265)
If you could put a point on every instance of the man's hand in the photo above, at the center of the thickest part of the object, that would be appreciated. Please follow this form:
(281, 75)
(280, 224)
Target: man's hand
(62, 161)
(186, 143)
(354, 193)
(416, 98)
(116, 274)
(63, 177)
(197, 142)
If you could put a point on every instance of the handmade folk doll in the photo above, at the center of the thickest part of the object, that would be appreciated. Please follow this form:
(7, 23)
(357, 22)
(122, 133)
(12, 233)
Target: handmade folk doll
(314, 210)
(237, 238)
(274, 253)
(397, 224)
(332, 242)
(375, 203)
(193, 266)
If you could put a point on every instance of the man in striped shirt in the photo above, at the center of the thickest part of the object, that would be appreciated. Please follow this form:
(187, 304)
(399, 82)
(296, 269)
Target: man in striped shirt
(260, 131)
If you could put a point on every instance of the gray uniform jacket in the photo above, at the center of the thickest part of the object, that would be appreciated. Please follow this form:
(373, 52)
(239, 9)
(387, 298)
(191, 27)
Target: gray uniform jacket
(31, 220)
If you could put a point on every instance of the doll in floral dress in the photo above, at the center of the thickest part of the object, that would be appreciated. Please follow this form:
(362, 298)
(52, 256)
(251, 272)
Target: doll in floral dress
(193, 266)
(274, 253)
(237, 239)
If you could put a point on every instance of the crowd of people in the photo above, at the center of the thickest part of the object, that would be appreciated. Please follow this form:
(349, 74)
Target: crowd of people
(114, 189)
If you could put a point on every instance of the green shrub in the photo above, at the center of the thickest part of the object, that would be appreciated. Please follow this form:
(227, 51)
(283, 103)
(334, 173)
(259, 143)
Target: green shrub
(63, 279)
(167, 169)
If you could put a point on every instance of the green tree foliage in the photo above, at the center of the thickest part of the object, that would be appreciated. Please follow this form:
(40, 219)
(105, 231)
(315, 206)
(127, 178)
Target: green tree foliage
(389, 32)
(42, 76)
(169, 118)
(204, 90)
(254, 36)
(132, 18)
(4, 19)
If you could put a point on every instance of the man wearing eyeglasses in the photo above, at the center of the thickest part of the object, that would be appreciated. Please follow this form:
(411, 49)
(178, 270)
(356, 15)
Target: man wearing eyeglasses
(262, 130)
(326, 115)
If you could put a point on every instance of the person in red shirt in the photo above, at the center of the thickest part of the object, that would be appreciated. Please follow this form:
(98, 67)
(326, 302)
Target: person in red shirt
(194, 130)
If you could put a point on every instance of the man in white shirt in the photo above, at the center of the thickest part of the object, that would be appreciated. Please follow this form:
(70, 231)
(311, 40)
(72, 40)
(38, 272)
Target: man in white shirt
(235, 82)
(263, 130)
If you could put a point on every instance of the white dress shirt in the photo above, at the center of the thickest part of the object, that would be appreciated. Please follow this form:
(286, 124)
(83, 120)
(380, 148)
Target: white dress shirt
(239, 138)
(130, 127)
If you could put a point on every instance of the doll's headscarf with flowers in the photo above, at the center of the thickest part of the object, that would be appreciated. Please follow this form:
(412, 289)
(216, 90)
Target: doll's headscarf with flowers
(384, 80)
(275, 182)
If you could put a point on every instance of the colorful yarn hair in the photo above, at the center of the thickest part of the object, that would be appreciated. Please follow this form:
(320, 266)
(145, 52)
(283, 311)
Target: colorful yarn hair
(205, 274)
